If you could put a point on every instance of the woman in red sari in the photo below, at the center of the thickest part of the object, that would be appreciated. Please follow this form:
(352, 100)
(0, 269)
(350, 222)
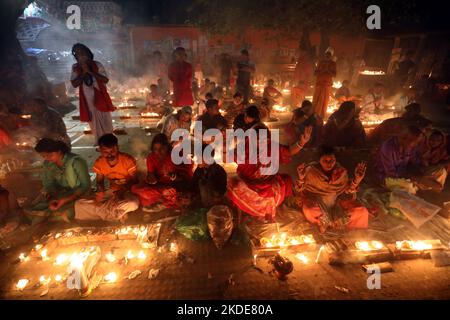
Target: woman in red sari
(259, 194)
(165, 180)
(180, 73)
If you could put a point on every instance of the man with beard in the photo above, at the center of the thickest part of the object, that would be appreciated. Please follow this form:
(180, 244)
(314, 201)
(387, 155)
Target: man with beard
(119, 169)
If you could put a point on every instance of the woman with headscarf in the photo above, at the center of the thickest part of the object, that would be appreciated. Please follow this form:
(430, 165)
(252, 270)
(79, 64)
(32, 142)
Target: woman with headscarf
(327, 195)
(95, 103)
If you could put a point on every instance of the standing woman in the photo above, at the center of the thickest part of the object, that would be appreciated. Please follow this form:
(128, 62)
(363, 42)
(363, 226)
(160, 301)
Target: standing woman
(95, 103)
(180, 73)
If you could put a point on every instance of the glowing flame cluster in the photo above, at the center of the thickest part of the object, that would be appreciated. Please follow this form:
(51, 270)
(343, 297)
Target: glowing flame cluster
(369, 245)
(337, 84)
(372, 72)
(284, 240)
(419, 245)
(371, 122)
(149, 115)
(279, 108)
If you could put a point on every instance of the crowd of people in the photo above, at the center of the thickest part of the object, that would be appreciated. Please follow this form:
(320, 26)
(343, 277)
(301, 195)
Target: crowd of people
(324, 191)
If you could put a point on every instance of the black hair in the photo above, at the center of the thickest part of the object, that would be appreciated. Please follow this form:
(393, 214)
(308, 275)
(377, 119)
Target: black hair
(245, 52)
(108, 140)
(325, 150)
(161, 139)
(49, 145)
(208, 95)
(253, 112)
(346, 107)
(437, 132)
(211, 103)
(414, 131)
(84, 48)
(299, 113)
(413, 107)
(237, 94)
(306, 103)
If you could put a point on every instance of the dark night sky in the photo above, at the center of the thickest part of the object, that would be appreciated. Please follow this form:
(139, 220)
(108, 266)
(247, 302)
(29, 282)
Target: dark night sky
(146, 11)
(173, 12)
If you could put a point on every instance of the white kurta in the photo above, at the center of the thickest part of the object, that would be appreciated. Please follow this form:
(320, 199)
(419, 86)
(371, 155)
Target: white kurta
(101, 122)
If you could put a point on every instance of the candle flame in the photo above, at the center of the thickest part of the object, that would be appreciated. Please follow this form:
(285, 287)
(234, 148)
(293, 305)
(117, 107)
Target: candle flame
(61, 259)
(111, 277)
(419, 245)
(302, 258)
(22, 283)
(141, 255)
(110, 257)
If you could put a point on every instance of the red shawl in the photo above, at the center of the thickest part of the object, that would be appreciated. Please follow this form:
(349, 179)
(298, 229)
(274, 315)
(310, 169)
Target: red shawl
(102, 100)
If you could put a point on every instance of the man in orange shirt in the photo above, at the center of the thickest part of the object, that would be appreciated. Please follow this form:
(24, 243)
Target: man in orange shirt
(120, 170)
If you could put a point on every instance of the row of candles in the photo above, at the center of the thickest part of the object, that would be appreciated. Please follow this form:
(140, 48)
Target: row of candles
(78, 259)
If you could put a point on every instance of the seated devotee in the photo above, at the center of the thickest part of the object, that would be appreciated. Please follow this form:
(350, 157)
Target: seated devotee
(256, 191)
(235, 108)
(65, 180)
(343, 93)
(312, 120)
(119, 169)
(163, 90)
(298, 93)
(247, 119)
(399, 158)
(343, 128)
(265, 110)
(202, 103)
(272, 94)
(394, 126)
(374, 100)
(181, 120)
(293, 129)
(154, 102)
(44, 122)
(327, 195)
(209, 183)
(408, 97)
(166, 181)
(212, 119)
(206, 87)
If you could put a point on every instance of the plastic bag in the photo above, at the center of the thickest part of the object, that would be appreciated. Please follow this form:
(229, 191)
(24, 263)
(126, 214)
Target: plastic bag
(417, 210)
(193, 225)
(220, 224)
(401, 184)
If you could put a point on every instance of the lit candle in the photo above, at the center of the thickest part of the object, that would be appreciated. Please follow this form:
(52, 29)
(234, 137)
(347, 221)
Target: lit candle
(61, 259)
(110, 257)
(111, 277)
(22, 283)
(302, 258)
(141, 255)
